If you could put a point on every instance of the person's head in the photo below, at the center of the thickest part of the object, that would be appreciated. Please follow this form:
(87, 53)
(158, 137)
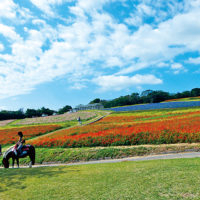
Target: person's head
(20, 134)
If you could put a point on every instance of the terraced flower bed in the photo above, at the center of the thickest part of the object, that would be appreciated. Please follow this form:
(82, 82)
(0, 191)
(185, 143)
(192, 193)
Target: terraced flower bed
(5, 122)
(184, 99)
(9, 136)
(149, 127)
(84, 115)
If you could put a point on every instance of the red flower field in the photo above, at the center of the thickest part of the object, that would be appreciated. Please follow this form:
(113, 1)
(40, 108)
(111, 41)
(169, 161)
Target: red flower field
(9, 136)
(149, 127)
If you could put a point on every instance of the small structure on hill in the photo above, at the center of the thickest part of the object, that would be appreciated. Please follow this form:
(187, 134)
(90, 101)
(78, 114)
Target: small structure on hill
(94, 106)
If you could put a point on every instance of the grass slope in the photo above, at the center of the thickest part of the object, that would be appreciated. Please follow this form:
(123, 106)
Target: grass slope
(160, 180)
(67, 155)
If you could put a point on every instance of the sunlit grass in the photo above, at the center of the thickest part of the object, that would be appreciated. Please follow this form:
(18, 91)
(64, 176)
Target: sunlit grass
(156, 180)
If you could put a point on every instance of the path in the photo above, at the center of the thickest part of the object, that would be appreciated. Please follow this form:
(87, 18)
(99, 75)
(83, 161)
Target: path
(97, 118)
(138, 158)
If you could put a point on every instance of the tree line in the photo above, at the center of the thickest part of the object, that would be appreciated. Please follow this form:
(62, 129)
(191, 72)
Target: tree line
(147, 96)
(20, 114)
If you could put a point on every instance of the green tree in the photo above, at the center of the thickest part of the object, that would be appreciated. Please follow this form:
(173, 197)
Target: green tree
(97, 100)
(32, 113)
(45, 111)
(158, 96)
(195, 92)
(64, 109)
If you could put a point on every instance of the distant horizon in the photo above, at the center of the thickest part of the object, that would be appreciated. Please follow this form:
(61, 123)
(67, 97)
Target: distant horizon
(69, 52)
(97, 98)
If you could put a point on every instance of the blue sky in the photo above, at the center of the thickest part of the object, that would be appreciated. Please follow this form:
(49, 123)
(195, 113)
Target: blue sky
(68, 52)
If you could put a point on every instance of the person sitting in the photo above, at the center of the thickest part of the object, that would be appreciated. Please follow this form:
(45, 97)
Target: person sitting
(19, 144)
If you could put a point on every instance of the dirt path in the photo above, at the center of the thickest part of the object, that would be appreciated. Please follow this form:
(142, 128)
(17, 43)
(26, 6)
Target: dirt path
(138, 158)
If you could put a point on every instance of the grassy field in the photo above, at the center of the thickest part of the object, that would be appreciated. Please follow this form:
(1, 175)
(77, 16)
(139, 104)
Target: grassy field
(156, 180)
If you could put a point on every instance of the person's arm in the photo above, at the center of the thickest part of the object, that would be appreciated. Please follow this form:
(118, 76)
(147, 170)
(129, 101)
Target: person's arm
(20, 139)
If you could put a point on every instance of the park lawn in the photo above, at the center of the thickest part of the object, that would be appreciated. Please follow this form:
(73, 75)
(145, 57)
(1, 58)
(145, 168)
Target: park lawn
(158, 179)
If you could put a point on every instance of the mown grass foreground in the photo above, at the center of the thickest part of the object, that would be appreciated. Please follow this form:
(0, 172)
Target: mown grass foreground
(159, 179)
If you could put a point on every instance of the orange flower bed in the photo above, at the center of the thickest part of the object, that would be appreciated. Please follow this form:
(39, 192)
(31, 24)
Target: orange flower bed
(9, 136)
(182, 99)
(184, 127)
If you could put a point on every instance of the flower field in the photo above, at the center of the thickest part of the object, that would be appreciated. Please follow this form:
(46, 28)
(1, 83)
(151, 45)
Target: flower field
(5, 122)
(131, 128)
(9, 136)
(152, 106)
(185, 99)
(84, 115)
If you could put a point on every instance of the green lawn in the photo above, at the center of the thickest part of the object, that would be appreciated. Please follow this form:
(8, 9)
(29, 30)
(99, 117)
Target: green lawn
(160, 179)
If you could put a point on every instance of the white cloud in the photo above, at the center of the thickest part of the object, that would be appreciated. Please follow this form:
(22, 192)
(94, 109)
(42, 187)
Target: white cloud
(153, 45)
(9, 32)
(195, 61)
(113, 62)
(90, 5)
(177, 68)
(113, 82)
(89, 46)
(47, 5)
(8, 9)
(134, 20)
(163, 64)
(145, 9)
(13, 12)
(24, 15)
(38, 22)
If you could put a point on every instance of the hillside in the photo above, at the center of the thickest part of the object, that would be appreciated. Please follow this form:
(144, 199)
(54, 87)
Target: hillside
(118, 134)
(33, 127)
(155, 106)
(130, 128)
(184, 99)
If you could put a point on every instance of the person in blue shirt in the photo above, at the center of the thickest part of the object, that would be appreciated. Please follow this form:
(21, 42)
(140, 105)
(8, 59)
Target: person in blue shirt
(79, 120)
